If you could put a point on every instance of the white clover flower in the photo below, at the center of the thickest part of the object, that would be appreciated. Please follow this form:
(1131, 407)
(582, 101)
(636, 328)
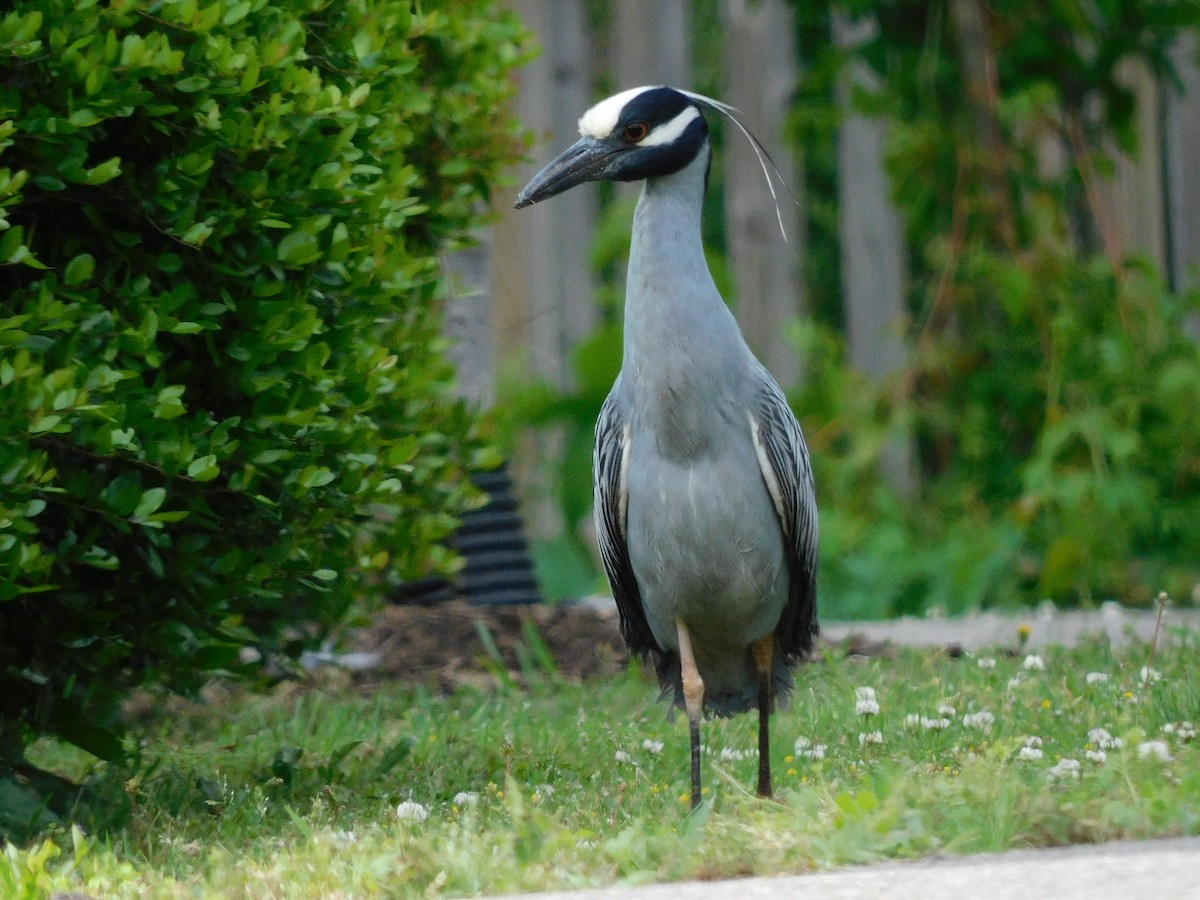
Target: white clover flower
(1105, 741)
(1015, 682)
(1099, 736)
(934, 724)
(652, 746)
(1157, 750)
(1097, 677)
(1186, 731)
(342, 839)
(982, 720)
(1149, 675)
(1097, 756)
(865, 703)
(1034, 663)
(986, 662)
(947, 710)
(623, 756)
(728, 754)
(1064, 770)
(806, 748)
(912, 720)
(1169, 728)
(466, 798)
(409, 811)
(1032, 749)
(870, 737)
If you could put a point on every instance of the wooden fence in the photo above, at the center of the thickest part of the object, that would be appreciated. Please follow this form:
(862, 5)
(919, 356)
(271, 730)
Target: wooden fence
(533, 289)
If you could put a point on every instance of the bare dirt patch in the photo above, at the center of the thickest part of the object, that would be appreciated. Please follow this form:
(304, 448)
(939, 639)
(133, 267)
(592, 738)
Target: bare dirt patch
(451, 644)
(454, 643)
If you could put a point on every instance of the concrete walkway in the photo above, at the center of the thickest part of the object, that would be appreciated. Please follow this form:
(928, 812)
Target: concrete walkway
(1144, 870)
(1047, 624)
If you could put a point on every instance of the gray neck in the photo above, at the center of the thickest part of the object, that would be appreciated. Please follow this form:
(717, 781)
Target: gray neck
(684, 354)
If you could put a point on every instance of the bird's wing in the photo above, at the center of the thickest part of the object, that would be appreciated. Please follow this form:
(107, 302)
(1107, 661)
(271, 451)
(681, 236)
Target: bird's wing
(783, 459)
(610, 473)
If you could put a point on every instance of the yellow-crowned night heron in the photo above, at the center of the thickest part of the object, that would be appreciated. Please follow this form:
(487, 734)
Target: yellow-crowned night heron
(705, 510)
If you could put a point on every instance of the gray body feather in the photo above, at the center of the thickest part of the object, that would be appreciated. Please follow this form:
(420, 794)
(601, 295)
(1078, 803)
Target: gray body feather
(705, 509)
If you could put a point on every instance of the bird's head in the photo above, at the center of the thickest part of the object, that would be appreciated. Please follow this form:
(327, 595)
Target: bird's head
(640, 133)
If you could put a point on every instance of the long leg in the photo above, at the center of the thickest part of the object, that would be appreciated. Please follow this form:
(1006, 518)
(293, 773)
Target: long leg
(693, 701)
(762, 652)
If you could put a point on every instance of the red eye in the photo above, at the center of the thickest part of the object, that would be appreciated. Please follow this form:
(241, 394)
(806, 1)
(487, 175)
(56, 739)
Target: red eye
(636, 131)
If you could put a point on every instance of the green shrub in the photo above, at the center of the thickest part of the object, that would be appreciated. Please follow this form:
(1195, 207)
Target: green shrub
(223, 405)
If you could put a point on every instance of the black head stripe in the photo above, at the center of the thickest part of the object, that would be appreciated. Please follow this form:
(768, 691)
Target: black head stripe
(654, 107)
(664, 159)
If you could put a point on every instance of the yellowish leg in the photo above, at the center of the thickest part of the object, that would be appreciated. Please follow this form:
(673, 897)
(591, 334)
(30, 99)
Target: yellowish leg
(762, 652)
(693, 701)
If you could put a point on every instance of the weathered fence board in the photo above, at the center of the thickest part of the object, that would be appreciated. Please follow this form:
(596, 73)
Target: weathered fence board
(873, 272)
(650, 43)
(543, 284)
(1133, 196)
(1181, 158)
(761, 70)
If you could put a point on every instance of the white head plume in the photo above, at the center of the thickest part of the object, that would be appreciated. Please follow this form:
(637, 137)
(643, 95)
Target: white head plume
(760, 151)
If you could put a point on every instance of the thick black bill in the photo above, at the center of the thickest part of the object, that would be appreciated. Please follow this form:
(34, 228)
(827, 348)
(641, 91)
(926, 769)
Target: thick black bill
(585, 160)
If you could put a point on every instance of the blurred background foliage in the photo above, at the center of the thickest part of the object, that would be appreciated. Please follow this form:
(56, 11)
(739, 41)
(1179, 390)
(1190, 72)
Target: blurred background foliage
(1051, 376)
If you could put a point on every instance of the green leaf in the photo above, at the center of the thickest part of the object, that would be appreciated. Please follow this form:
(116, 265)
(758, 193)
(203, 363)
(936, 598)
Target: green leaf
(104, 173)
(170, 262)
(204, 468)
(10, 241)
(236, 13)
(192, 84)
(151, 500)
(42, 424)
(197, 234)
(123, 493)
(169, 403)
(122, 437)
(83, 118)
(298, 248)
(316, 476)
(79, 270)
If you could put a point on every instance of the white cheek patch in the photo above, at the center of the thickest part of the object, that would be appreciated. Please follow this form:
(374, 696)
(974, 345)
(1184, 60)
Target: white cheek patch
(601, 119)
(669, 131)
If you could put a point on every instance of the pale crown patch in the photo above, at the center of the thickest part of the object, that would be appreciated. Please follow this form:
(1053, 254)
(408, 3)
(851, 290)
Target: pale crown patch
(601, 119)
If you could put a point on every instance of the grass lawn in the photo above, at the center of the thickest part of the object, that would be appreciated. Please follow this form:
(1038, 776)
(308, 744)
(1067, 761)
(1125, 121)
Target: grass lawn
(327, 793)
